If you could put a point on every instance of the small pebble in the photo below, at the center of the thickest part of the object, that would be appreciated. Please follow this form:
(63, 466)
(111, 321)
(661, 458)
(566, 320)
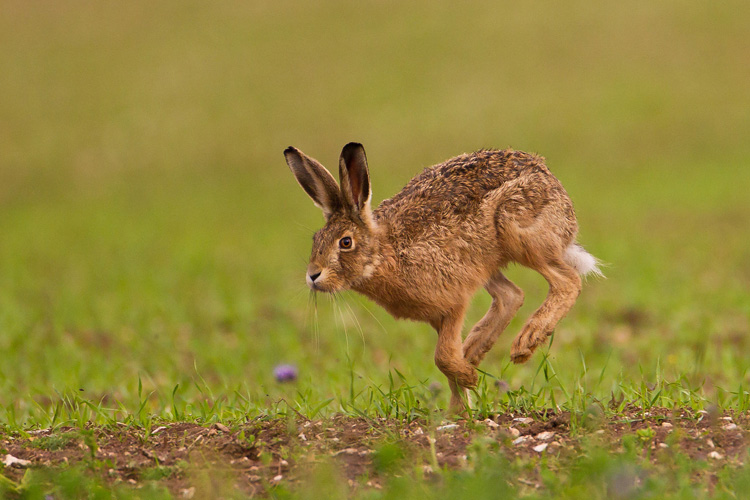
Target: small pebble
(222, 427)
(540, 448)
(347, 451)
(447, 427)
(520, 440)
(11, 461)
(491, 423)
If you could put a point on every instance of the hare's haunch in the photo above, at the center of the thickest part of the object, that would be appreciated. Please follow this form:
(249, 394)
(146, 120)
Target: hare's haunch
(423, 253)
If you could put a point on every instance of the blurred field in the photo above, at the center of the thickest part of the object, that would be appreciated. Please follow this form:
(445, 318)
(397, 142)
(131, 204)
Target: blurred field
(151, 233)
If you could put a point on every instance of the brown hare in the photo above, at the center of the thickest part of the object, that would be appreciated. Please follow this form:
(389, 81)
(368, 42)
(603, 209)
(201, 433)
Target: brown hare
(423, 253)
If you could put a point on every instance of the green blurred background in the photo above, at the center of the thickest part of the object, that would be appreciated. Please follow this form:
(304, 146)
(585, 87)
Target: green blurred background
(149, 227)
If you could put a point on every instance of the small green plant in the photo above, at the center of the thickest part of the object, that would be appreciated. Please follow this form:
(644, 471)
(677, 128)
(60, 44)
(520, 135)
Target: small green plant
(89, 439)
(7, 486)
(158, 472)
(646, 435)
(55, 441)
(247, 440)
(388, 457)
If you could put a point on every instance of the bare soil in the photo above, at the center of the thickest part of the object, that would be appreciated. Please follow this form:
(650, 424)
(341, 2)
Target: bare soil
(263, 454)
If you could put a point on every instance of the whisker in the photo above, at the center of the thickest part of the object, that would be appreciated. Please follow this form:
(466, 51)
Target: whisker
(300, 293)
(312, 305)
(302, 226)
(359, 326)
(337, 309)
(382, 327)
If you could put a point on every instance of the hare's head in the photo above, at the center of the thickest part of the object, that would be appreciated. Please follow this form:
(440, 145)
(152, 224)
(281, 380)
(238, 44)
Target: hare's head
(344, 251)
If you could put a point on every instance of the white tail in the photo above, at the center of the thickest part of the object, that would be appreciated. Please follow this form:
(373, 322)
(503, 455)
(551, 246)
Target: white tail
(582, 261)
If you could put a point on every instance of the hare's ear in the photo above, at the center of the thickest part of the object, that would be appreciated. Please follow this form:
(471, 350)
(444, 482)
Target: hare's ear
(315, 180)
(355, 178)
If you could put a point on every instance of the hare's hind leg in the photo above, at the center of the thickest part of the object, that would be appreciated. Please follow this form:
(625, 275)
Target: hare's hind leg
(507, 298)
(564, 288)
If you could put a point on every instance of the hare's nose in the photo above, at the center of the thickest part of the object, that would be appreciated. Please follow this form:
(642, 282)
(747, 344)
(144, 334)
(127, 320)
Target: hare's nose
(313, 277)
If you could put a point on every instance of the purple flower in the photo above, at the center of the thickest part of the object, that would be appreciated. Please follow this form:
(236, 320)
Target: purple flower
(502, 385)
(285, 373)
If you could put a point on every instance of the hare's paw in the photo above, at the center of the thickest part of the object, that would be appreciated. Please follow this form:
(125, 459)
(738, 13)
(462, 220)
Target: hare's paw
(520, 354)
(466, 376)
(458, 370)
(532, 336)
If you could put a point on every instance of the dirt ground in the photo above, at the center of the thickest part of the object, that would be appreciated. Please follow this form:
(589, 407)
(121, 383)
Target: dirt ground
(262, 454)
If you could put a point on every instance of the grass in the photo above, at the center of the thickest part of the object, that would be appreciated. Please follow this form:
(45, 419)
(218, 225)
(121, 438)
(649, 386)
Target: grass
(152, 241)
(594, 464)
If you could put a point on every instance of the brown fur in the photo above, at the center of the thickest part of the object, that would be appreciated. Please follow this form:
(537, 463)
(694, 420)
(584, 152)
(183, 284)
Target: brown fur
(423, 253)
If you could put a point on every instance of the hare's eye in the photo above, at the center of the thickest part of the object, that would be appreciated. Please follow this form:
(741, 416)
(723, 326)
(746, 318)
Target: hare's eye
(345, 242)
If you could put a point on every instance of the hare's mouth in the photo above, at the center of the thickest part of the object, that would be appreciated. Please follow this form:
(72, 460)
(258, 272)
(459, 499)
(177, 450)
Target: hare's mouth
(317, 281)
(322, 287)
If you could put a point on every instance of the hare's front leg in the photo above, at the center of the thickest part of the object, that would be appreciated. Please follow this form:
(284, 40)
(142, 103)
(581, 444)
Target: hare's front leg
(450, 360)
(507, 298)
(564, 288)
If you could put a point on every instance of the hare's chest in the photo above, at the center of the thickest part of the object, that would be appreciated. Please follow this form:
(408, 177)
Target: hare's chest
(405, 307)
(404, 298)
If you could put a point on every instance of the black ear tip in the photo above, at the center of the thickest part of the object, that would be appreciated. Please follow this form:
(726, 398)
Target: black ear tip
(350, 149)
(290, 150)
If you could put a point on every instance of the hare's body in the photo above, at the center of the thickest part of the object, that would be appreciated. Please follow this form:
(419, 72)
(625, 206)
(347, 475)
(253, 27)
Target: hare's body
(456, 224)
(423, 253)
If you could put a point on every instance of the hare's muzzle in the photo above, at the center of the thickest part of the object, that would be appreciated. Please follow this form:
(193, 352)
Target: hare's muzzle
(312, 276)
